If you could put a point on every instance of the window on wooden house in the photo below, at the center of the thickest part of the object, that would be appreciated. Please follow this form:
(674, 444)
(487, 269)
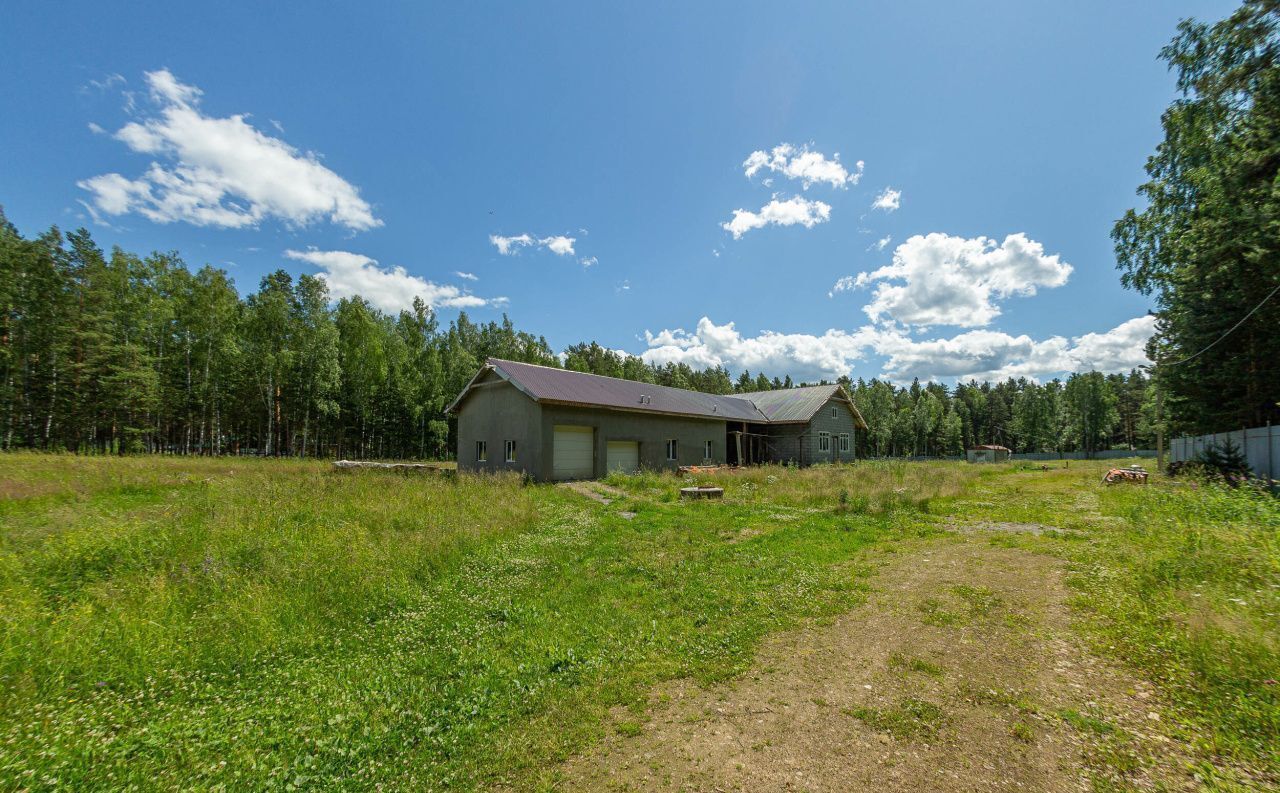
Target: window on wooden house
(673, 449)
(844, 441)
(708, 450)
(509, 451)
(824, 441)
(482, 451)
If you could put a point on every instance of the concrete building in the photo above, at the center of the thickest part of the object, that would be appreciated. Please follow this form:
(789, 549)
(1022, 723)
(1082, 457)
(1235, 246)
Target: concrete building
(556, 424)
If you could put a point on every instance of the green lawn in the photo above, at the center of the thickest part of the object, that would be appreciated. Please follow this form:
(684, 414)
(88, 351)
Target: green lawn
(269, 624)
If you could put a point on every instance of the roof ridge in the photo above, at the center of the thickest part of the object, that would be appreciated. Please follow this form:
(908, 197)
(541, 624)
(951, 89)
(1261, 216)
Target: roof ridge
(780, 390)
(738, 397)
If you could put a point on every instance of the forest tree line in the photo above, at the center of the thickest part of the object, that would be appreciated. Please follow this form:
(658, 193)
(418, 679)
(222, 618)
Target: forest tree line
(118, 353)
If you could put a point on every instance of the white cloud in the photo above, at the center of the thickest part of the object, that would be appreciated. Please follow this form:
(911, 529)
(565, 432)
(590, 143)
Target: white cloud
(889, 200)
(96, 129)
(793, 211)
(803, 356)
(588, 261)
(559, 245)
(939, 279)
(881, 243)
(1118, 350)
(467, 276)
(509, 246)
(798, 162)
(978, 354)
(844, 284)
(105, 84)
(992, 355)
(221, 171)
(390, 289)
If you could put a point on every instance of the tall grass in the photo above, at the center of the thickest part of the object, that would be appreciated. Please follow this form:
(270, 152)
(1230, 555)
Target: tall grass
(876, 486)
(1187, 587)
(282, 627)
(113, 571)
(249, 624)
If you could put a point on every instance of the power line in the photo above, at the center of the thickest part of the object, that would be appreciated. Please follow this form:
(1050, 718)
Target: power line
(1214, 343)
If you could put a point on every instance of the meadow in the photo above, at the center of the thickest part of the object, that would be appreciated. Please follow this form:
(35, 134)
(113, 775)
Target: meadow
(266, 624)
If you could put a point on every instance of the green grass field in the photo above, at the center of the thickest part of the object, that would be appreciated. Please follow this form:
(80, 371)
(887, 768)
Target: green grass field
(262, 624)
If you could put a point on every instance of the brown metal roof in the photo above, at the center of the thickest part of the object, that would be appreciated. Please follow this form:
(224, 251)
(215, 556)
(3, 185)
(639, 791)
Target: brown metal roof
(548, 384)
(798, 404)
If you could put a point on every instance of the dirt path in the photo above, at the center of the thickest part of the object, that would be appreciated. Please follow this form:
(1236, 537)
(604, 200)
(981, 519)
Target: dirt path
(598, 492)
(959, 673)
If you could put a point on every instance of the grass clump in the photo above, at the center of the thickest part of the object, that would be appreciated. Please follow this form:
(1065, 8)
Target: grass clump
(1086, 723)
(911, 719)
(904, 663)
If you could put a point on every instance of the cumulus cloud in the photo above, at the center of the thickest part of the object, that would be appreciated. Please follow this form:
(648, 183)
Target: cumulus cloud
(793, 211)
(992, 355)
(798, 162)
(391, 289)
(509, 246)
(803, 356)
(220, 172)
(559, 245)
(889, 200)
(939, 279)
(978, 354)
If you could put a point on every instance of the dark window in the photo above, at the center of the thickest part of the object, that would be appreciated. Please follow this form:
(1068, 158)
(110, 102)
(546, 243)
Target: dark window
(482, 451)
(834, 412)
(824, 441)
(709, 450)
(844, 441)
(673, 449)
(510, 451)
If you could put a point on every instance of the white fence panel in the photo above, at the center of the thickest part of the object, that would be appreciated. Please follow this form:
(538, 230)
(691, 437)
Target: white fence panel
(1260, 445)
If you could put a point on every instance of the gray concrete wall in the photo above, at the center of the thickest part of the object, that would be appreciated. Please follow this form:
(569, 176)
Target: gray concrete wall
(495, 412)
(823, 421)
(651, 431)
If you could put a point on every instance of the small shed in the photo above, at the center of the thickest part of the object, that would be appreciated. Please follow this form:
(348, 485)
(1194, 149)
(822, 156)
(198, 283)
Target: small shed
(988, 453)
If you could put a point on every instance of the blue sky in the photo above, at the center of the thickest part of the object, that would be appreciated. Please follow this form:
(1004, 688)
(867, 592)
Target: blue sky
(355, 139)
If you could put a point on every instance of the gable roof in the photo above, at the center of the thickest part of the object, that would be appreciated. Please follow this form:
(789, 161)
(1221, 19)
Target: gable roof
(563, 386)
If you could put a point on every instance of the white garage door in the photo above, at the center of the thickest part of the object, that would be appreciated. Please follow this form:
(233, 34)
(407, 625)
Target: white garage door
(572, 453)
(624, 456)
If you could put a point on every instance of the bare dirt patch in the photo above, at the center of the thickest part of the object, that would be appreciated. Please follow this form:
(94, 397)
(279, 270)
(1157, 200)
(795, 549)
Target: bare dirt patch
(959, 673)
(599, 493)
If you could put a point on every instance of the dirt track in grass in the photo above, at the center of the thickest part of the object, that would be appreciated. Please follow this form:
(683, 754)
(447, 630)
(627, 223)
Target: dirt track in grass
(960, 672)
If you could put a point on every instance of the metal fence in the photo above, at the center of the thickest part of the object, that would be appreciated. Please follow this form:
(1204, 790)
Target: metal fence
(1260, 445)
(1106, 454)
